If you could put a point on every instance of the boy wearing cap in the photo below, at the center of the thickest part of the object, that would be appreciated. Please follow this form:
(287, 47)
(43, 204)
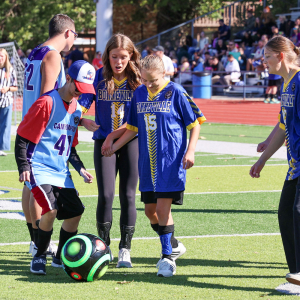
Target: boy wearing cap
(45, 141)
(169, 67)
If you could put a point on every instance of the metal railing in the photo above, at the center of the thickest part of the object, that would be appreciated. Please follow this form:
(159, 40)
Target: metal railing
(244, 89)
(233, 14)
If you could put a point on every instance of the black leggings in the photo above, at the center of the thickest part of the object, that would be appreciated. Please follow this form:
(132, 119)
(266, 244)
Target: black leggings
(289, 223)
(124, 161)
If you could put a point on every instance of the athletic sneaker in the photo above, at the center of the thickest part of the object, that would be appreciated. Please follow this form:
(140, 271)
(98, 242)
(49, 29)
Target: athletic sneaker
(51, 250)
(38, 265)
(274, 101)
(166, 268)
(2, 153)
(124, 260)
(267, 100)
(56, 262)
(176, 253)
(293, 278)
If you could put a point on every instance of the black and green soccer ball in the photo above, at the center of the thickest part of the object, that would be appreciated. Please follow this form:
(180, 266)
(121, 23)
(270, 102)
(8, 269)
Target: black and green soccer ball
(85, 257)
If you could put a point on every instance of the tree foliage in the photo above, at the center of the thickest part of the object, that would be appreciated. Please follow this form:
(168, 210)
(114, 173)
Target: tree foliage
(26, 21)
(171, 12)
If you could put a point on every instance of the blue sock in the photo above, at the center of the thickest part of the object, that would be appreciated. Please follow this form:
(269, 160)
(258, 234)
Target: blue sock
(165, 240)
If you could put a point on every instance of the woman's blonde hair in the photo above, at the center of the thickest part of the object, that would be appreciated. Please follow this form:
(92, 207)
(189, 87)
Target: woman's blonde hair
(132, 69)
(153, 63)
(280, 44)
(7, 64)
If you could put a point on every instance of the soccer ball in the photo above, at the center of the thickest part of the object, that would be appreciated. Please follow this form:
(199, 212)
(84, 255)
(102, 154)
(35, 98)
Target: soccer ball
(85, 257)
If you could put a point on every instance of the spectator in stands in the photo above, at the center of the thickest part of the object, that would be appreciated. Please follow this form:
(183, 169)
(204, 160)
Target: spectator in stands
(294, 35)
(289, 25)
(75, 55)
(168, 48)
(283, 25)
(215, 39)
(145, 51)
(185, 74)
(221, 49)
(169, 68)
(275, 31)
(247, 40)
(217, 66)
(175, 62)
(296, 25)
(182, 51)
(253, 62)
(259, 29)
(232, 70)
(191, 44)
(264, 39)
(8, 84)
(224, 31)
(249, 24)
(242, 59)
(203, 40)
(206, 64)
(97, 61)
(22, 56)
(232, 47)
(197, 59)
(268, 20)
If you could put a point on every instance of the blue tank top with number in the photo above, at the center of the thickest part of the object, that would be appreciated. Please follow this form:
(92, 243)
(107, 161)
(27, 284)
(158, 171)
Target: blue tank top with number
(33, 77)
(48, 158)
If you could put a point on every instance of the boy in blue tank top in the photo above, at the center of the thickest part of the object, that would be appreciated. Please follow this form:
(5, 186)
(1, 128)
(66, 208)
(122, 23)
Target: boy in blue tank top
(42, 154)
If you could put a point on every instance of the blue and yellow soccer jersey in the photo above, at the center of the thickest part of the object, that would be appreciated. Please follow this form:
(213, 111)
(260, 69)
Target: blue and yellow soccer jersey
(290, 122)
(111, 110)
(161, 120)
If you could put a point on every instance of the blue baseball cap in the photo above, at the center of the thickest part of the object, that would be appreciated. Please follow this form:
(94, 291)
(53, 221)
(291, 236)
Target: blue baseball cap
(83, 74)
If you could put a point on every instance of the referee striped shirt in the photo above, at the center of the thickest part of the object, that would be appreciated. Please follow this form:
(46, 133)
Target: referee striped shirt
(7, 98)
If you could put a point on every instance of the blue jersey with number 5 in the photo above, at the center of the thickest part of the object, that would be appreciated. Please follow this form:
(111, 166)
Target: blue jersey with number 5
(33, 77)
(48, 158)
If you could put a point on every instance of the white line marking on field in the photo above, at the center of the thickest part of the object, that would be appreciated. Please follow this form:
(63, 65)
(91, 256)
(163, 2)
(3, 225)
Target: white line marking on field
(10, 205)
(209, 154)
(179, 237)
(220, 166)
(10, 188)
(15, 216)
(85, 151)
(233, 157)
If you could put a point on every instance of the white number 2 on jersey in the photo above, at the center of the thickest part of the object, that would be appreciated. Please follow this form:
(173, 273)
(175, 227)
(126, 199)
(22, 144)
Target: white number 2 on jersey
(150, 122)
(120, 111)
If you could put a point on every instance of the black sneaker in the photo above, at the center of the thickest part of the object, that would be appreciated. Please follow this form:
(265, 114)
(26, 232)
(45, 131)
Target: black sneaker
(38, 265)
(56, 262)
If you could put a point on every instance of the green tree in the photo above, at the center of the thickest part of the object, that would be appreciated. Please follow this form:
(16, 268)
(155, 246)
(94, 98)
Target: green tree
(171, 12)
(26, 21)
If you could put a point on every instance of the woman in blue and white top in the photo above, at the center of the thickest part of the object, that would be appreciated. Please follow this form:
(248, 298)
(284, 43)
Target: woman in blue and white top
(8, 84)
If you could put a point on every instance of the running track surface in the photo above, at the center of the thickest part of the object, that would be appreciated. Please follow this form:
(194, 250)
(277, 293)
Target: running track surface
(234, 112)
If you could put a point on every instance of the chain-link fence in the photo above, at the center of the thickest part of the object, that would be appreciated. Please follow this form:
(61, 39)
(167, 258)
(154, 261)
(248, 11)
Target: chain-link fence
(19, 68)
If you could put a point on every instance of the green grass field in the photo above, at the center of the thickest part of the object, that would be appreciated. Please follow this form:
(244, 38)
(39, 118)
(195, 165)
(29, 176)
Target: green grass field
(223, 210)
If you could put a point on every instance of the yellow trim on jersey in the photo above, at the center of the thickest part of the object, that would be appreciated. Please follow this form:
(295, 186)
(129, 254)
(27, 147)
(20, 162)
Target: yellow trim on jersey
(119, 83)
(192, 125)
(132, 128)
(285, 85)
(153, 95)
(282, 126)
(279, 117)
(84, 109)
(201, 120)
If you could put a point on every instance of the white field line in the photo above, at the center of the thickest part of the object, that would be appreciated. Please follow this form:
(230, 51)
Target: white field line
(10, 188)
(233, 157)
(203, 193)
(179, 237)
(209, 154)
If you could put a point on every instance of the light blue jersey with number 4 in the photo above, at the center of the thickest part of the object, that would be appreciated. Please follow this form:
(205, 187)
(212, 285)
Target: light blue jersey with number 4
(33, 77)
(49, 157)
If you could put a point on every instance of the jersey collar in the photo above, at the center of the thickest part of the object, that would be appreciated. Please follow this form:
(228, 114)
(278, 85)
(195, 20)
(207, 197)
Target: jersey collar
(154, 94)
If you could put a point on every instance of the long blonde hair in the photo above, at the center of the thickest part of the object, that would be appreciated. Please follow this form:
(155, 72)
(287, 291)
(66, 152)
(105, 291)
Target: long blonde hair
(280, 44)
(7, 64)
(132, 69)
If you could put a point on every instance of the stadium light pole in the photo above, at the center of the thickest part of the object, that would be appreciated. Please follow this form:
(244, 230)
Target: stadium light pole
(104, 23)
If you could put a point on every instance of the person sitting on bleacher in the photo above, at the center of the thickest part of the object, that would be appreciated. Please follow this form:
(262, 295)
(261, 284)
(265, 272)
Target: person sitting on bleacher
(252, 63)
(232, 70)
(217, 66)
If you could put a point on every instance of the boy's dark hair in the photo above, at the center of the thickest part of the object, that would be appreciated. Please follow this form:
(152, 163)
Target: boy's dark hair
(59, 23)
(221, 20)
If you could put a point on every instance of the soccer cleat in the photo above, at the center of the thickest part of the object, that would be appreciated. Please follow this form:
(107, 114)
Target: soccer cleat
(274, 101)
(2, 153)
(56, 262)
(267, 100)
(124, 260)
(293, 278)
(166, 268)
(38, 265)
(176, 253)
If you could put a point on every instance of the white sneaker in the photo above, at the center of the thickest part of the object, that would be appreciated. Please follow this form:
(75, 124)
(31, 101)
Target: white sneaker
(176, 253)
(124, 260)
(293, 278)
(51, 250)
(2, 153)
(167, 268)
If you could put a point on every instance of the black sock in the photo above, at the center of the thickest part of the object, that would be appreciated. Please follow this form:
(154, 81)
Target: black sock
(29, 225)
(103, 232)
(35, 235)
(43, 241)
(174, 241)
(155, 227)
(63, 237)
(126, 236)
(273, 97)
(267, 96)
